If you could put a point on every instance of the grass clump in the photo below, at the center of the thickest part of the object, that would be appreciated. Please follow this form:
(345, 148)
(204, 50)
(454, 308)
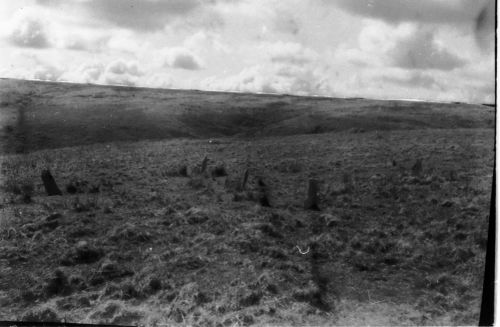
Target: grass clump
(178, 171)
(289, 166)
(23, 188)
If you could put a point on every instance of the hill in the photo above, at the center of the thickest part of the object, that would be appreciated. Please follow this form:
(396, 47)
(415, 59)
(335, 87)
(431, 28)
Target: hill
(39, 115)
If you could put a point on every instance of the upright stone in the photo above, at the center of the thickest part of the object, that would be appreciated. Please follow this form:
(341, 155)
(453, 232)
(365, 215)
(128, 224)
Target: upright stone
(417, 167)
(204, 165)
(348, 181)
(311, 202)
(50, 184)
(264, 200)
(244, 180)
(263, 193)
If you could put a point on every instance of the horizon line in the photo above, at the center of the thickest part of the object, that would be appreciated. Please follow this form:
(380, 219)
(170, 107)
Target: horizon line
(256, 93)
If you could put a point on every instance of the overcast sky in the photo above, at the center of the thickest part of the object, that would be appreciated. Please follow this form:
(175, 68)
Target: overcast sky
(406, 49)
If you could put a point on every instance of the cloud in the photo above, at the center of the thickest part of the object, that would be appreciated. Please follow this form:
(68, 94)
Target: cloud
(289, 52)
(116, 72)
(159, 80)
(408, 61)
(83, 42)
(120, 67)
(419, 50)
(120, 72)
(91, 73)
(144, 15)
(182, 58)
(272, 79)
(485, 27)
(202, 40)
(408, 46)
(288, 68)
(397, 11)
(47, 73)
(286, 23)
(378, 48)
(413, 80)
(29, 32)
(125, 42)
(113, 79)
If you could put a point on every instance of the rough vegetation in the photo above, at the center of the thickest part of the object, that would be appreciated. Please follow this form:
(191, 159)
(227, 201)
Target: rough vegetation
(142, 234)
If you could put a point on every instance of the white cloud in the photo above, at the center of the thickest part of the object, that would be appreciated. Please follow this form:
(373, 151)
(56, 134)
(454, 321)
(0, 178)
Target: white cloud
(419, 50)
(47, 73)
(182, 58)
(413, 80)
(91, 73)
(29, 32)
(120, 72)
(407, 46)
(116, 72)
(289, 52)
(159, 80)
(120, 67)
(485, 27)
(82, 42)
(272, 79)
(430, 11)
(202, 40)
(288, 68)
(285, 21)
(410, 61)
(126, 42)
(117, 79)
(145, 15)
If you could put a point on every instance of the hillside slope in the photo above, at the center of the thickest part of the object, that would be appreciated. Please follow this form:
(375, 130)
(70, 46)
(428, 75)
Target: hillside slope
(42, 115)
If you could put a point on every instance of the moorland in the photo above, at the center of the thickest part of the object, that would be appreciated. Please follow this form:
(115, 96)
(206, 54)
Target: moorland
(147, 231)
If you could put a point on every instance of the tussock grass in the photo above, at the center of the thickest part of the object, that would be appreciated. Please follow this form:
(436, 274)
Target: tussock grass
(386, 236)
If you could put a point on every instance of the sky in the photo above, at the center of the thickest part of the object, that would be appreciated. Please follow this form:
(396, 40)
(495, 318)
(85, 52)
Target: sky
(437, 50)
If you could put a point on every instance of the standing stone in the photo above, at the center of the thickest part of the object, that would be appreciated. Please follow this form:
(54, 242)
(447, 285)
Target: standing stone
(263, 193)
(264, 200)
(311, 202)
(204, 164)
(244, 180)
(50, 184)
(417, 167)
(348, 181)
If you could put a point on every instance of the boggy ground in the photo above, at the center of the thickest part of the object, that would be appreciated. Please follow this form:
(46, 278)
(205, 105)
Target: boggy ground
(138, 242)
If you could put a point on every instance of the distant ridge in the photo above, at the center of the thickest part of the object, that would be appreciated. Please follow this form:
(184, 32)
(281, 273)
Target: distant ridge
(316, 96)
(39, 115)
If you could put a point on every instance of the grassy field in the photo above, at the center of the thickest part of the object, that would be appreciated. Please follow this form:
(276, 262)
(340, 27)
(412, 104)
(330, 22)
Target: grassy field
(142, 236)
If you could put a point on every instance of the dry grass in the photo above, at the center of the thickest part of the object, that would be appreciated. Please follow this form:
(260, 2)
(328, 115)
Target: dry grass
(382, 238)
(148, 238)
